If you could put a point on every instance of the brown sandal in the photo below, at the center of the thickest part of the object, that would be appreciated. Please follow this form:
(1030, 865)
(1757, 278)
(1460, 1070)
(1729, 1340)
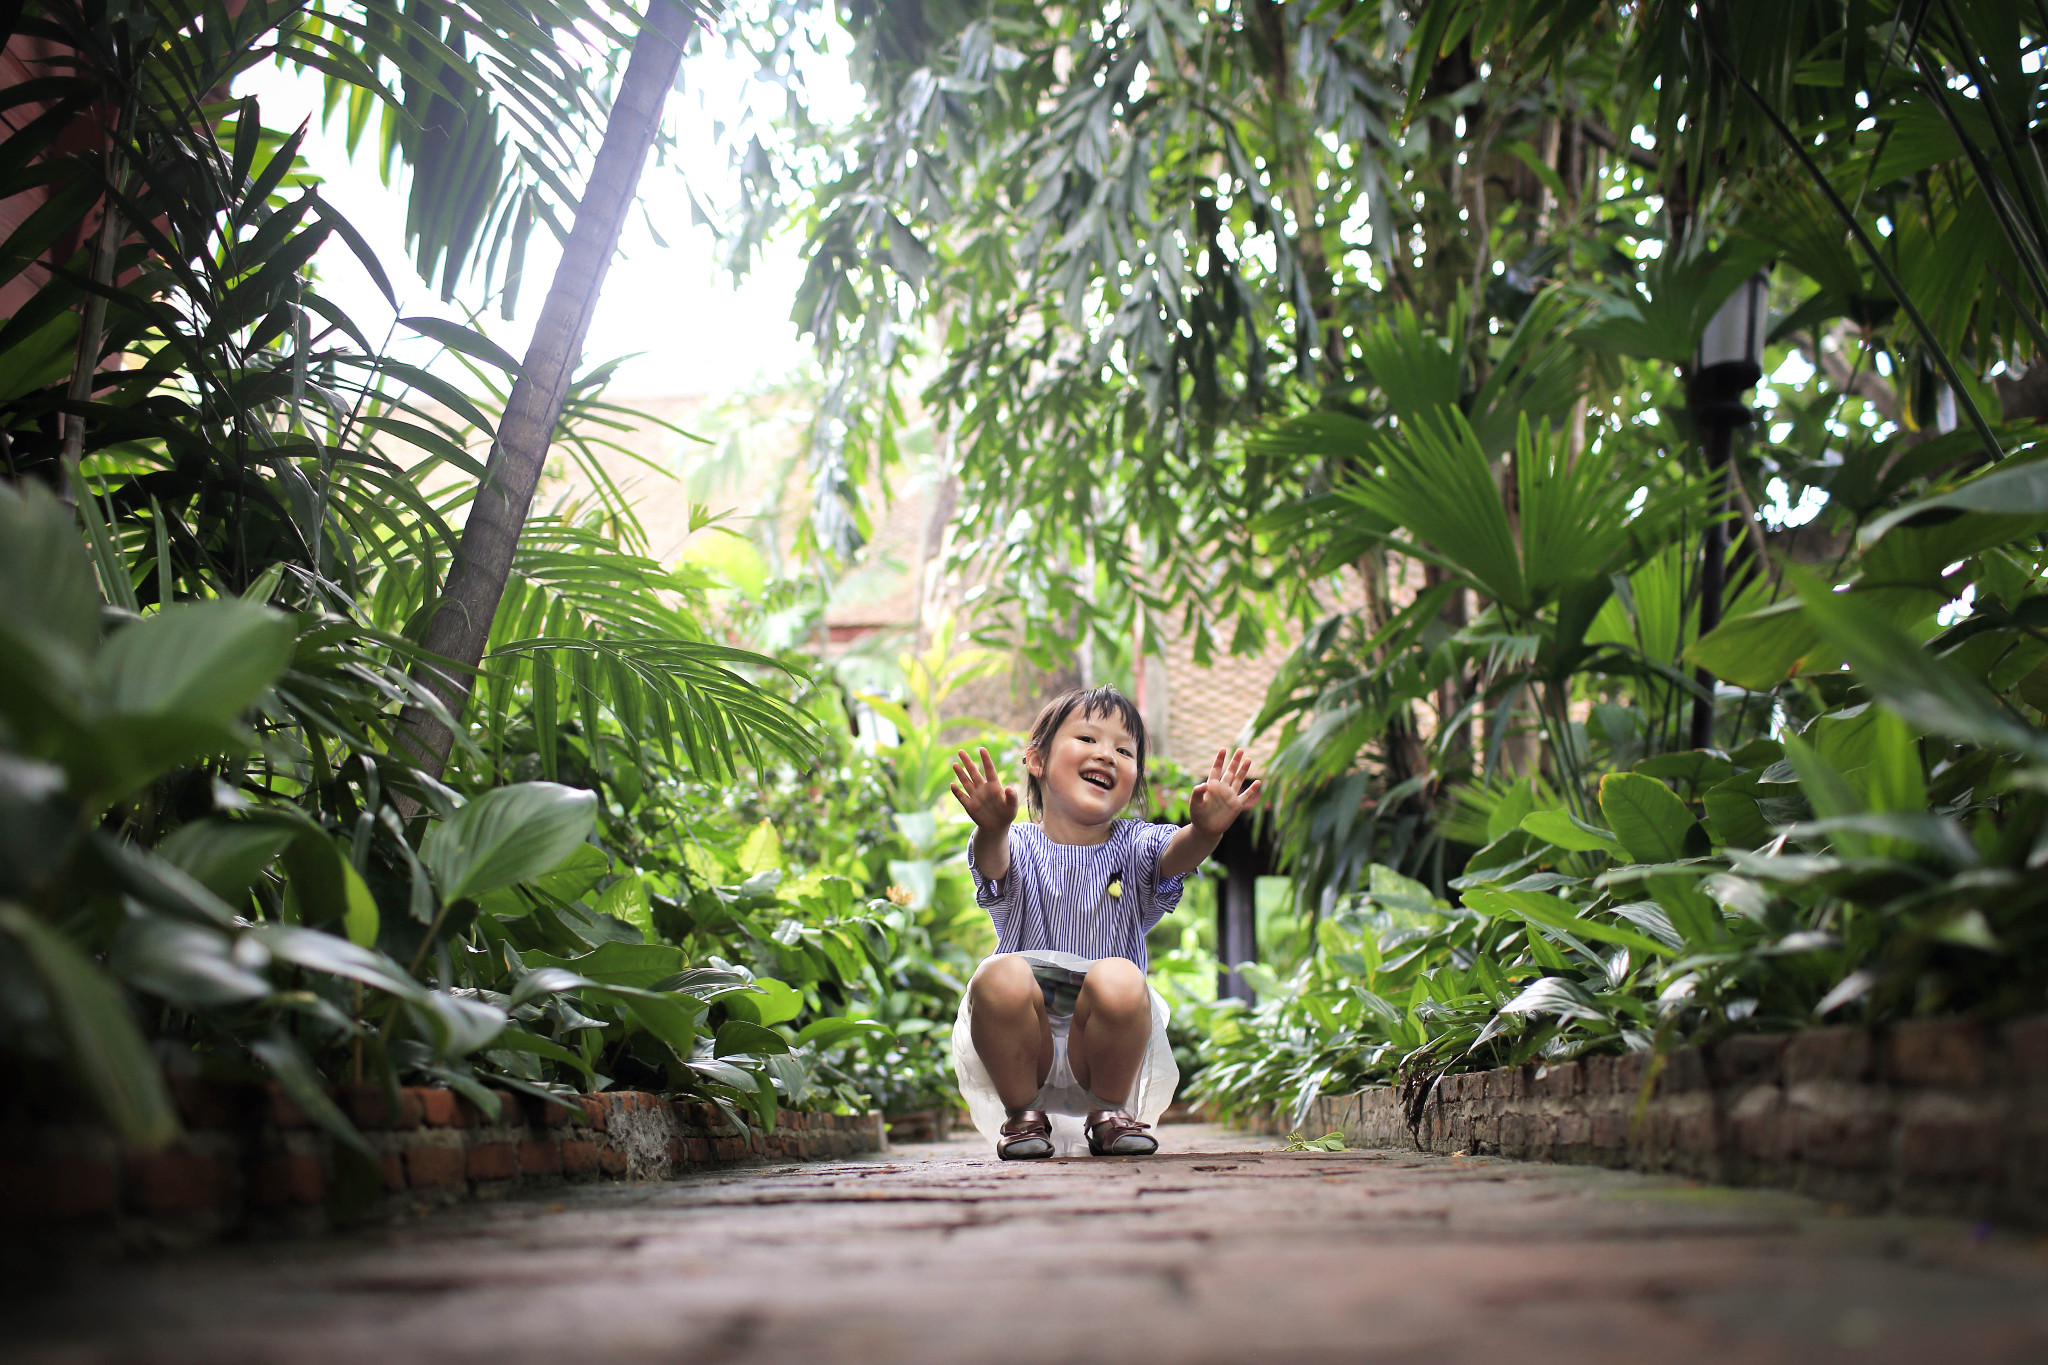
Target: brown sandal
(1113, 1132)
(1027, 1137)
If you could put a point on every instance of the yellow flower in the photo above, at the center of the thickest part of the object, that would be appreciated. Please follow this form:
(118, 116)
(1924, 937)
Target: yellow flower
(899, 895)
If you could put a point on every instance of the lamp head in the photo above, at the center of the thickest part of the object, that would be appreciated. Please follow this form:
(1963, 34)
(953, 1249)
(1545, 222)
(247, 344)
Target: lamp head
(1729, 361)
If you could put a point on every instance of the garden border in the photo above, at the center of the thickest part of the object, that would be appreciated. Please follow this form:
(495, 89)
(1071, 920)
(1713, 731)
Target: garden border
(249, 1162)
(1939, 1116)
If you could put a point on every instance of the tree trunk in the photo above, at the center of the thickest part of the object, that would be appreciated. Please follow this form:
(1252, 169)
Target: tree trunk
(461, 624)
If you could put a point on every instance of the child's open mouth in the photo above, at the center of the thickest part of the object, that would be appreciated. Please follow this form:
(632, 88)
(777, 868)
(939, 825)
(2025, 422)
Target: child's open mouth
(1100, 780)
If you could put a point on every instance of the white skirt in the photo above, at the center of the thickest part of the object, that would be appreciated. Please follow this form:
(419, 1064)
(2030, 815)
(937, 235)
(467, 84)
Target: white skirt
(1062, 1098)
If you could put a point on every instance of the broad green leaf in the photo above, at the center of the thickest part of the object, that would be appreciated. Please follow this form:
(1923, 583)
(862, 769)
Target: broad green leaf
(576, 874)
(737, 1036)
(618, 964)
(1552, 912)
(517, 1039)
(322, 952)
(508, 835)
(319, 874)
(100, 1037)
(762, 851)
(461, 1025)
(767, 1001)
(1555, 995)
(1562, 829)
(2012, 493)
(224, 856)
(48, 603)
(1760, 649)
(296, 1076)
(1651, 822)
(824, 1033)
(188, 964)
(1930, 693)
(626, 899)
(201, 662)
(670, 1018)
(360, 921)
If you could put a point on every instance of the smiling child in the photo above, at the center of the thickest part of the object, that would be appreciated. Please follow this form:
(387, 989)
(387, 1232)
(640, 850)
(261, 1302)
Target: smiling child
(1059, 1022)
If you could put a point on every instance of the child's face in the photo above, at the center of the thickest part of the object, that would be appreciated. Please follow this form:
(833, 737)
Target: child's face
(1089, 771)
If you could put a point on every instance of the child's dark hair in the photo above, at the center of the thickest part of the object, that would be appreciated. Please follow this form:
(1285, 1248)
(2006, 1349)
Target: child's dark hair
(1090, 702)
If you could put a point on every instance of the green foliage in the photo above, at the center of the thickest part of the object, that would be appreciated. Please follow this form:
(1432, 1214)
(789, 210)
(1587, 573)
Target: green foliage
(211, 847)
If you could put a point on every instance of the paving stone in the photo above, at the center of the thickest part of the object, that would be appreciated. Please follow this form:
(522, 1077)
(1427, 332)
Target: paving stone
(1218, 1251)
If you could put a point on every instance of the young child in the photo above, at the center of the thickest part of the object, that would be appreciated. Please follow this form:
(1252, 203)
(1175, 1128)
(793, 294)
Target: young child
(1059, 1023)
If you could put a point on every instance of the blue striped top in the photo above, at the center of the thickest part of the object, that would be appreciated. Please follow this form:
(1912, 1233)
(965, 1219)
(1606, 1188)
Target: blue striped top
(1058, 896)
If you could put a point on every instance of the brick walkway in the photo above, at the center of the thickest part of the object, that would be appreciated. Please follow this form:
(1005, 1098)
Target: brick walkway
(1216, 1251)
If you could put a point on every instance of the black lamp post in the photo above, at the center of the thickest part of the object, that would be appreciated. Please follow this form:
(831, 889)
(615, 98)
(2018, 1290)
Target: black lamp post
(1728, 365)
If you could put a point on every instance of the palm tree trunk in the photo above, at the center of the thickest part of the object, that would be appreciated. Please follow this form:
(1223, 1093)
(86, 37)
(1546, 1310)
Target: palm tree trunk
(469, 600)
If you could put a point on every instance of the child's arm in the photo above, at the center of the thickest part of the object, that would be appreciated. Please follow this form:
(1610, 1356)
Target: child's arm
(992, 806)
(1211, 808)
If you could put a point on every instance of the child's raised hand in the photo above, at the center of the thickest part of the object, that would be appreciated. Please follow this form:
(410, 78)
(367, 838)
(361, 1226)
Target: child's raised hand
(982, 794)
(1218, 801)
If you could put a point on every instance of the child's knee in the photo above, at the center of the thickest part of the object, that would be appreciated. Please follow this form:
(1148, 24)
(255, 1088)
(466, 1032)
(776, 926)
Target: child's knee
(1118, 984)
(1004, 983)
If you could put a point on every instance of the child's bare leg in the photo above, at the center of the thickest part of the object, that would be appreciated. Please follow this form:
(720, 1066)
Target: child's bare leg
(1010, 1031)
(1112, 1028)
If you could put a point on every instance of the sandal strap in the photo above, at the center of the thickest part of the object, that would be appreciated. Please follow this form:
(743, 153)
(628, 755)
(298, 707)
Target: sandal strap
(1028, 1123)
(1124, 1123)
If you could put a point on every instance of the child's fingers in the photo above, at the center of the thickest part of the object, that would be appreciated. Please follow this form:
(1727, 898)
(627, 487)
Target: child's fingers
(988, 766)
(1251, 793)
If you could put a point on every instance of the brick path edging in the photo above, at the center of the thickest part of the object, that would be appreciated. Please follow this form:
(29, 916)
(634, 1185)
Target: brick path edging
(1939, 1116)
(249, 1161)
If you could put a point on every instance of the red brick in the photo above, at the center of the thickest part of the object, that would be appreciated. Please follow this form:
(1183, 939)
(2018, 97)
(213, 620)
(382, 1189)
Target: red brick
(540, 1158)
(492, 1161)
(676, 1151)
(284, 1111)
(596, 1109)
(579, 1158)
(700, 1151)
(1684, 1073)
(57, 1189)
(611, 1160)
(1843, 1140)
(542, 1113)
(2026, 1050)
(1747, 1059)
(1562, 1082)
(1598, 1075)
(440, 1108)
(287, 1181)
(207, 1104)
(179, 1182)
(1829, 1054)
(427, 1167)
(392, 1168)
(1952, 1148)
(370, 1108)
(508, 1107)
(1762, 1128)
(1629, 1071)
(1938, 1052)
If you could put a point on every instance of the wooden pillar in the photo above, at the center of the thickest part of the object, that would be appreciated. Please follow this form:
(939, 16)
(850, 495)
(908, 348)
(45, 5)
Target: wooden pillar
(1237, 908)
